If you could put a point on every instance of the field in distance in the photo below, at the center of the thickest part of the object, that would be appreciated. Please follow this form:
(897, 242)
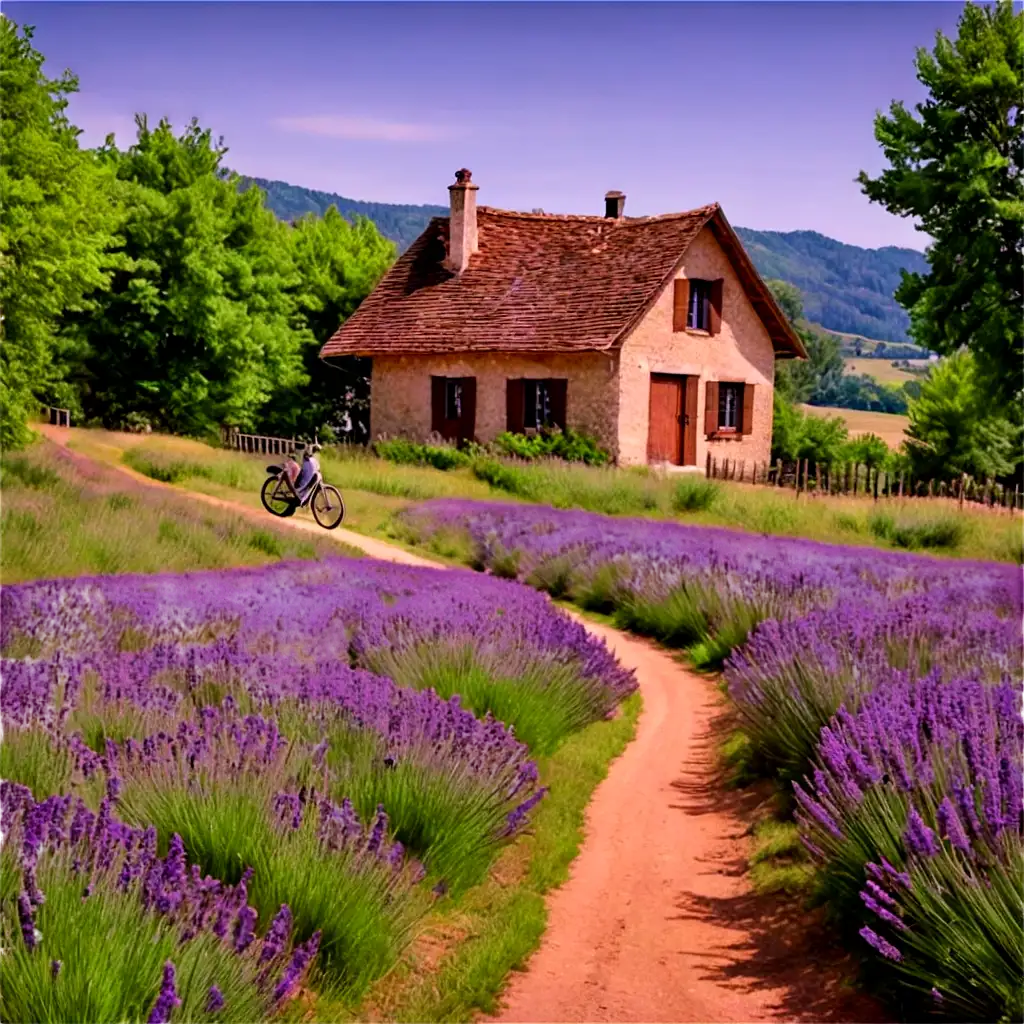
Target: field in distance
(882, 370)
(890, 427)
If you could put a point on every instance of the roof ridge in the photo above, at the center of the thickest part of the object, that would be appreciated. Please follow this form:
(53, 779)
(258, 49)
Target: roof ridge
(494, 211)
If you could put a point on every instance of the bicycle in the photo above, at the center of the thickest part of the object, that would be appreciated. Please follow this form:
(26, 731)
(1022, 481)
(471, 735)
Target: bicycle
(281, 498)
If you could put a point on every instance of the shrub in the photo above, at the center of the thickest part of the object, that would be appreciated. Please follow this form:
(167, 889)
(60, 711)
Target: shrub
(694, 494)
(402, 451)
(907, 531)
(568, 445)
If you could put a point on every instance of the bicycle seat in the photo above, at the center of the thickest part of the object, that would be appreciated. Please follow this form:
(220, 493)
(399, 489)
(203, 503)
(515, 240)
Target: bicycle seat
(273, 469)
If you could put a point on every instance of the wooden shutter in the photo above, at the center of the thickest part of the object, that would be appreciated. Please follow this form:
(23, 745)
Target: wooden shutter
(680, 303)
(515, 405)
(467, 425)
(711, 407)
(437, 388)
(558, 391)
(747, 421)
(715, 313)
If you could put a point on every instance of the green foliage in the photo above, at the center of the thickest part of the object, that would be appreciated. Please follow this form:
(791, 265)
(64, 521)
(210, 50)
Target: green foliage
(402, 451)
(957, 167)
(800, 435)
(569, 445)
(868, 450)
(338, 264)
(694, 494)
(954, 429)
(55, 224)
(197, 328)
(911, 532)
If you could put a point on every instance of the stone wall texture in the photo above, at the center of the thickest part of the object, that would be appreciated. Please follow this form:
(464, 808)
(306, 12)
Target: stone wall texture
(740, 351)
(400, 390)
(608, 394)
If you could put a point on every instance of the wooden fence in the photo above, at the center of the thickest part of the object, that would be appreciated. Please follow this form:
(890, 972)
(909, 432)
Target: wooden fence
(259, 444)
(57, 417)
(804, 476)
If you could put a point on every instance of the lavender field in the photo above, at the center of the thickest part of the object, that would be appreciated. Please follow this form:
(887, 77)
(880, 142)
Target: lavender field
(880, 691)
(224, 789)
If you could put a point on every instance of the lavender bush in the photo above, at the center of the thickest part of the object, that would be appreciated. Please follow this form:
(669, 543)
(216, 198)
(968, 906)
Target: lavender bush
(882, 689)
(95, 925)
(234, 716)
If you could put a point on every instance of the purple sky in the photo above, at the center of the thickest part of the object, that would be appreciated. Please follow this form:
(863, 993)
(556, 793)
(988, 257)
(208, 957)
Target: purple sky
(765, 107)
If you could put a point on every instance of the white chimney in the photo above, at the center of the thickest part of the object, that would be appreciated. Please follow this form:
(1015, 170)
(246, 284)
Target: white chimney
(462, 240)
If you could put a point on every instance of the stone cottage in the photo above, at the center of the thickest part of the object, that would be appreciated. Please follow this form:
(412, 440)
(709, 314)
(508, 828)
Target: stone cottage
(656, 335)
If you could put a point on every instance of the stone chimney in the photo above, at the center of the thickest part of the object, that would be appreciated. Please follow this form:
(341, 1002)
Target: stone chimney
(614, 204)
(462, 239)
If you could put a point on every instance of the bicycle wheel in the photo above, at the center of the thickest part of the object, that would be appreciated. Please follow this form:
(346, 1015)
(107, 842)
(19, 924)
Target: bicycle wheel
(276, 499)
(328, 508)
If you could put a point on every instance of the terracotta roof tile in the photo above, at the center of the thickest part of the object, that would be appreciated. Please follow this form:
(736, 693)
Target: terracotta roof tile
(539, 283)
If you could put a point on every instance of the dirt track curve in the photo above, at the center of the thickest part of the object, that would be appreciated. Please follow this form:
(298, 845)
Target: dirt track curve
(657, 921)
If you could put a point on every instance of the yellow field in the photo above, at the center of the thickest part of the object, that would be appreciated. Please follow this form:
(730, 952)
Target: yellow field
(882, 370)
(888, 426)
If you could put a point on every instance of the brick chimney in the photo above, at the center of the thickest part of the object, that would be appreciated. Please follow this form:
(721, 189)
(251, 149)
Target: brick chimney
(614, 204)
(462, 239)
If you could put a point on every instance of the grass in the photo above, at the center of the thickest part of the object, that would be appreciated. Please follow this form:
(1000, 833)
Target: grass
(779, 863)
(65, 516)
(375, 489)
(889, 426)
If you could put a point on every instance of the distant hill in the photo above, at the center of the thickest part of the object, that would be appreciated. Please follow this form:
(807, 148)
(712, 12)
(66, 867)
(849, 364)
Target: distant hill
(846, 289)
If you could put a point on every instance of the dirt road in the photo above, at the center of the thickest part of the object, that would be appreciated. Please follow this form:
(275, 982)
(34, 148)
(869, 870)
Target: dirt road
(658, 921)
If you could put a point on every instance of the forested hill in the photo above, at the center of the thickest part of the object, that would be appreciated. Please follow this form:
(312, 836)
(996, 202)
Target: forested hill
(845, 288)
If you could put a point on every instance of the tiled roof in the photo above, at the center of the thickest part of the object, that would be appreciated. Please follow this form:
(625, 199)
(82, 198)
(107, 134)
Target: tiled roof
(539, 283)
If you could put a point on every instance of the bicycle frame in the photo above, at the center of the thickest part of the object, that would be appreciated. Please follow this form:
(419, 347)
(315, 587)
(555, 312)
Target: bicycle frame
(284, 479)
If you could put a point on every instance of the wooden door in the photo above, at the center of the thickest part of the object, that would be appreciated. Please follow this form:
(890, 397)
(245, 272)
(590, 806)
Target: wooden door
(672, 434)
(664, 436)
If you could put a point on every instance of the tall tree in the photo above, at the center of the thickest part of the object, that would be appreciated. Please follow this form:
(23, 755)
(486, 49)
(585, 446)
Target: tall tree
(198, 326)
(55, 224)
(958, 168)
(338, 264)
(799, 380)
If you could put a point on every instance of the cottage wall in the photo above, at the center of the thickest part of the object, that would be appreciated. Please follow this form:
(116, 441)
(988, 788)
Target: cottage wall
(741, 351)
(400, 390)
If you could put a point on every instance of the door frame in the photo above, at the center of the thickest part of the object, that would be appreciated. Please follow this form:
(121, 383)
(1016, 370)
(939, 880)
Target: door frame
(688, 392)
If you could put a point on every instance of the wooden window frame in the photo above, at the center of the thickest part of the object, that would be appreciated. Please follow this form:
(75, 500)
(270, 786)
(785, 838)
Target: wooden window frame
(453, 427)
(453, 403)
(710, 306)
(713, 428)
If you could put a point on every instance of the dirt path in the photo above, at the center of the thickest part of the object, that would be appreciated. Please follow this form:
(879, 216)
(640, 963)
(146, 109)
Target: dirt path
(657, 921)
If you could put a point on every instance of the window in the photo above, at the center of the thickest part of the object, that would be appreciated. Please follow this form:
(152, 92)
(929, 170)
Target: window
(730, 402)
(698, 315)
(534, 404)
(453, 398)
(537, 412)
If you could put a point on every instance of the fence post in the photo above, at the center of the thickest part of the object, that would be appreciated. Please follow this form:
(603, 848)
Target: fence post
(778, 472)
(743, 469)
(1016, 494)
(707, 466)
(877, 471)
(930, 482)
(963, 487)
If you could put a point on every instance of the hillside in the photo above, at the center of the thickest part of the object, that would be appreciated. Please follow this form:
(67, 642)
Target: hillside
(845, 288)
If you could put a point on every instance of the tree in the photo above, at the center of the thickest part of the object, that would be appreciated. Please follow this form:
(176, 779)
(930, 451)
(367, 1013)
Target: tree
(799, 380)
(338, 265)
(55, 224)
(951, 432)
(958, 168)
(198, 326)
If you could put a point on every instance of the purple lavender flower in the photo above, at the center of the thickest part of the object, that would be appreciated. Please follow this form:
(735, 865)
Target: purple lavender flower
(26, 920)
(887, 949)
(276, 939)
(293, 973)
(55, 966)
(950, 826)
(920, 839)
(244, 925)
(167, 1000)
(214, 1000)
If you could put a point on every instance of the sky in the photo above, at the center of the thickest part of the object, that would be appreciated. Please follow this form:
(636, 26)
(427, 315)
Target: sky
(766, 108)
